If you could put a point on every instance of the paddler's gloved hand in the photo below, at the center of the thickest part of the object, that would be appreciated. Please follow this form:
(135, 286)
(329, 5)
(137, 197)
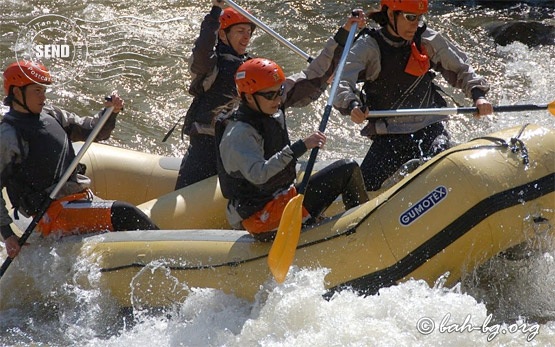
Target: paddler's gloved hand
(358, 113)
(218, 3)
(11, 241)
(357, 17)
(484, 106)
(114, 100)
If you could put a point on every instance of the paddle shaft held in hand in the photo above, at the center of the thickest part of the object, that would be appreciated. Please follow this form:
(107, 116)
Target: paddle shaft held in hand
(328, 108)
(269, 30)
(72, 166)
(455, 110)
(283, 249)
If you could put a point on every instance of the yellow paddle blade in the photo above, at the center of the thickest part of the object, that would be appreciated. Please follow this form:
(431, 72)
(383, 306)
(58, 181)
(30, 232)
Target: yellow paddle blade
(551, 107)
(283, 249)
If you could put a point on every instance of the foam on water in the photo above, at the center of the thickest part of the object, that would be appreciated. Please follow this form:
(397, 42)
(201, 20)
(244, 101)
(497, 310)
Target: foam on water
(295, 314)
(73, 311)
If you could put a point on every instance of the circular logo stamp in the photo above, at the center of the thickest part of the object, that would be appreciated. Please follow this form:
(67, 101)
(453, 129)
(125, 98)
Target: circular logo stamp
(55, 41)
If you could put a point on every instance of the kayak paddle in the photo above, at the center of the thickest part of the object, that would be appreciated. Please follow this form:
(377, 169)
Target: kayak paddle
(269, 30)
(46, 203)
(282, 253)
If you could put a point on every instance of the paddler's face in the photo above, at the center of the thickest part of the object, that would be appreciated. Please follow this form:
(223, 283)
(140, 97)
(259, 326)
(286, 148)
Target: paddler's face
(407, 24)
(35, 97)
(238, 37)
(268, 99)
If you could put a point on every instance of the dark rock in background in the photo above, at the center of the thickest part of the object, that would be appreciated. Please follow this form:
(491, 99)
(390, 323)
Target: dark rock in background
(530, 33)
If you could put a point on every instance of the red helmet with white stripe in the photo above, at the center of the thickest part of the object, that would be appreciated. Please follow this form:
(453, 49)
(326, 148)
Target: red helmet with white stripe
(230, 17)
(257, 74)
(409, 6)
(22, 73)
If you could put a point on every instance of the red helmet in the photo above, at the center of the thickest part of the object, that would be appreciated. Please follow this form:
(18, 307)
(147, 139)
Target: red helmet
(230, 17)
(410, 6)
(22, 73)
(257, 74)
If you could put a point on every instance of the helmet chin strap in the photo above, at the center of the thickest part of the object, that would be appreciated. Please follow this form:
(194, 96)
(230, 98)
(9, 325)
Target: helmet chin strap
(260, 108)
(24, 104)
(229, 43)
(258, 105)
(394, 26)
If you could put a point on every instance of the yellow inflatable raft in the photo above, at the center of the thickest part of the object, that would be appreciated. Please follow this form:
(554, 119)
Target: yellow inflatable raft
(451, 214)
(148, 181)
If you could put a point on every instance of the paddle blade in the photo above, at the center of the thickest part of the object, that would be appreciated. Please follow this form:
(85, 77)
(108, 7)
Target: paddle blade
(283, 249)
(551, 108)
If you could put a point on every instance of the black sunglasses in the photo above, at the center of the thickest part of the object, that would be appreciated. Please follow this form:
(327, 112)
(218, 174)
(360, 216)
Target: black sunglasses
(272, 95)
(411, 17)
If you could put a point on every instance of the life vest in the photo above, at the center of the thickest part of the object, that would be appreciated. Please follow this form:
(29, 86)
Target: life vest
(247, 197)
(50, 154)
(212, 90)
(395, 88)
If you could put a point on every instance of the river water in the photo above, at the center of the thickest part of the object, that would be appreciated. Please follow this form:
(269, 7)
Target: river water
(141, 50)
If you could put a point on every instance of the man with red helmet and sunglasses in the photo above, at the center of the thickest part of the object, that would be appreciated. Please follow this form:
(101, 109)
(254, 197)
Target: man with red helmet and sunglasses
(35, 152)
(218, 52)
(395, 63)
(256, 161)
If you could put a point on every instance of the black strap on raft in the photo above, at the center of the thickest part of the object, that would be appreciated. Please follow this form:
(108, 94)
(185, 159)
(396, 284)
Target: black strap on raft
(168, 134)
(516, 144)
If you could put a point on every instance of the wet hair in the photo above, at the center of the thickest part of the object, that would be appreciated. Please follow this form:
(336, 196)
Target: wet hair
(379, 16)
(226, 108)
(7, 101)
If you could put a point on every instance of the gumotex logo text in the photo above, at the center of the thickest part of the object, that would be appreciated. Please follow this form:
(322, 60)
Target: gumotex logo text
(424, 205)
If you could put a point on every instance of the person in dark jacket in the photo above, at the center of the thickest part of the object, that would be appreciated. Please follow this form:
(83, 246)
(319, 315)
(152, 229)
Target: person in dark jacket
(35, 152)
(218, 52)
(257, 161)
(395, 64)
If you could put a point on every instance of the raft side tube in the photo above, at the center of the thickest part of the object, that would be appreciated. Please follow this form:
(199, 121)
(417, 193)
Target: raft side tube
(134, 177)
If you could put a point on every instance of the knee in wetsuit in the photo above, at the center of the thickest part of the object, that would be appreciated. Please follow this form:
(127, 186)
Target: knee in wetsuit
(354, 192)
(128, 217)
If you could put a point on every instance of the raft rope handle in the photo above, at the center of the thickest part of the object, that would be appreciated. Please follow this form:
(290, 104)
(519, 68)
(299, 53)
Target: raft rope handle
(516, 144)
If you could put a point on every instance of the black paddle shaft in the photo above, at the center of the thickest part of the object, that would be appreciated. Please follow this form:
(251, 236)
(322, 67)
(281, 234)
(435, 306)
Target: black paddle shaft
(314, 152)
(45, 205)
(506, 108)
(328, 108)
